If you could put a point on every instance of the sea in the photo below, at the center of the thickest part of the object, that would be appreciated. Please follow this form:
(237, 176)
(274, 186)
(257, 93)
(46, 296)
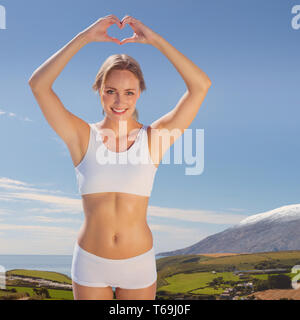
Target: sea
(57, 263)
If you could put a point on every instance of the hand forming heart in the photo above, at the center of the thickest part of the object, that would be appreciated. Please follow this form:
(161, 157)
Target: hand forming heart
(142, 34)
(98, 30)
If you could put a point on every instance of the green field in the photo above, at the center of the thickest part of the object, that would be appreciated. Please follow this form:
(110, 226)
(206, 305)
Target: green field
(189, 274)
(196, 263)
(54, 294)
(47, 275)
(196, 282)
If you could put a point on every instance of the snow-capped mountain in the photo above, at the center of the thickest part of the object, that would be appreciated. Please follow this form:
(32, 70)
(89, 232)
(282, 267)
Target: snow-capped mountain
(274, 230)
(285, 213)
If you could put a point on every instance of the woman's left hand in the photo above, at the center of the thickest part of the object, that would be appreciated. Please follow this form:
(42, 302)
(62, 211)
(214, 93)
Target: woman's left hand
(142, 34)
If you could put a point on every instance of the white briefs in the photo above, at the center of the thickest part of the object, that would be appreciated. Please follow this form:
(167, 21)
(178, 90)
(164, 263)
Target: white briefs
(132, 273)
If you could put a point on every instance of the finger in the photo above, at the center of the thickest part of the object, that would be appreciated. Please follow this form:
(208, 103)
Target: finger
(123, 23)
(117, 21)
(128, 22)
(126, 19)
(126, 16)
(131, 19)
(113, 19)
(116, 40)
(127, 40)
(111, 39)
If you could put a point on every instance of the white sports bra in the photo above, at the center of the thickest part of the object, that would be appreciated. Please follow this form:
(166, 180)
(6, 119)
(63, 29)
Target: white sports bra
(103, 170)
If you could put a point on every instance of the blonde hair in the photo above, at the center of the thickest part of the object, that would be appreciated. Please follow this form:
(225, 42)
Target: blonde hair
(119, 62)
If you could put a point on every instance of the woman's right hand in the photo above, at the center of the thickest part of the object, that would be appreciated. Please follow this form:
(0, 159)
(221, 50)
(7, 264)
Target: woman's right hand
(98, 30)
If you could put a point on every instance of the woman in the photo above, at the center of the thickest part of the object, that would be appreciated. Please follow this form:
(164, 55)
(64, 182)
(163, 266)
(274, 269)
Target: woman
(115, 245)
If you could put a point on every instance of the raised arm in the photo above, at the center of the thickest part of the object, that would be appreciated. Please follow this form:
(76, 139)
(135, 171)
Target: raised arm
(197, 82)
(65, 124)
(173, 123)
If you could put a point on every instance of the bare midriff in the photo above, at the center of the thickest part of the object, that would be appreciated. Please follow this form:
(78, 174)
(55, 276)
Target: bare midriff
(115, 225)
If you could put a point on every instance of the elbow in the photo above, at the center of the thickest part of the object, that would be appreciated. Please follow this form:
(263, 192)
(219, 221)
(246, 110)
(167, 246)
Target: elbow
(204, 85)
(32, 82)
(208, 83)
(35, 84)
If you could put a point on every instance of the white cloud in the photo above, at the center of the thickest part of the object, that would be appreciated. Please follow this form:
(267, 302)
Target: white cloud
(48, 210)
(37, 245)
(168, 238)
(52, 220)
(3, 198)
(5, 181)
(63, 201)
(60, 204)
(204, 216)
(26, 119)
(34, 228)
(13, 115)
(35, 239)
(10, 184)
(4, 211)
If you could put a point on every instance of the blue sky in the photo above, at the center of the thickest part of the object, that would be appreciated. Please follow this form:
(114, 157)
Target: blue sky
(250, 116)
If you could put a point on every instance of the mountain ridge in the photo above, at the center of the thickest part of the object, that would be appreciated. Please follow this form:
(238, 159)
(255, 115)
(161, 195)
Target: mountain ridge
(273, 230)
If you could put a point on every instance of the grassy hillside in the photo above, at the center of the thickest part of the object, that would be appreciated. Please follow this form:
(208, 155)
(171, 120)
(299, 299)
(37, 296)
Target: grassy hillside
(190, 275)
(47, 275)
(197, 263)
(195, 282)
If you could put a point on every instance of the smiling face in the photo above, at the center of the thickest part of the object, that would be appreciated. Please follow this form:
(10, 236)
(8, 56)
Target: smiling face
(120, 93)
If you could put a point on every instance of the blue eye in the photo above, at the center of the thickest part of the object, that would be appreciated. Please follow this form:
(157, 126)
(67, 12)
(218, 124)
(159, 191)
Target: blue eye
(113, 90)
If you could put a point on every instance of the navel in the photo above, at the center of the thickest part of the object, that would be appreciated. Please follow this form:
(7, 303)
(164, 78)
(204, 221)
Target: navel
(115, 237)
